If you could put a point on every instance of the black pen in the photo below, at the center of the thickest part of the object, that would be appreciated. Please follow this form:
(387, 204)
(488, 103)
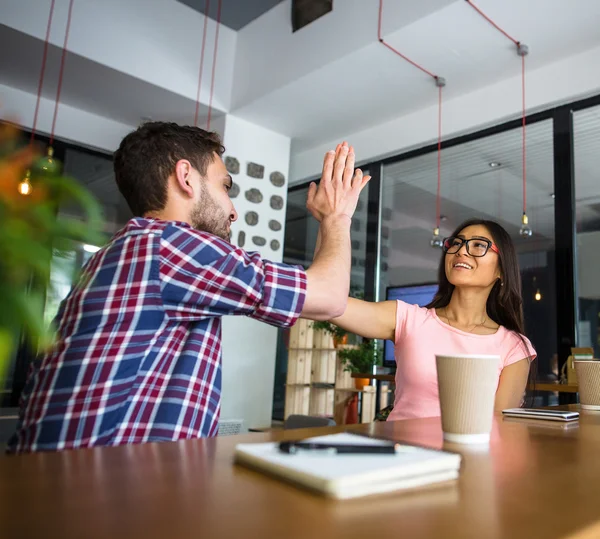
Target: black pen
(294, 447)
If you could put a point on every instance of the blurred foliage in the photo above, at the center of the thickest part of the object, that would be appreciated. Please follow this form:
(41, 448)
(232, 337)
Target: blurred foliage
(363, 358)
(29, 231)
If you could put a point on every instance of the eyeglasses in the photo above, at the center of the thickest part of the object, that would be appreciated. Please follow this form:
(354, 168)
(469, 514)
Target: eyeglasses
(475, 246)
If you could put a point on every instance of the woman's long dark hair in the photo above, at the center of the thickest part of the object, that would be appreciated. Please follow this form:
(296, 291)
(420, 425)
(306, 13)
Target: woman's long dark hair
(505, 303)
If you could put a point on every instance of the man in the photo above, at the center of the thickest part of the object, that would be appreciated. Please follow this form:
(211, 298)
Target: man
(138, 355)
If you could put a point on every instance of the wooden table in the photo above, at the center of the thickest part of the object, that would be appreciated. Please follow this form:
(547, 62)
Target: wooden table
(538, 479)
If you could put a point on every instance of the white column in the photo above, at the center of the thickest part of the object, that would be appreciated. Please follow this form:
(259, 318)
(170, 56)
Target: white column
(249, 347)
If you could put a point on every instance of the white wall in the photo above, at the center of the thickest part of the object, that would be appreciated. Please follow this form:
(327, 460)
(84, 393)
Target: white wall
(72, 124)
(249, 346)
(559, 82)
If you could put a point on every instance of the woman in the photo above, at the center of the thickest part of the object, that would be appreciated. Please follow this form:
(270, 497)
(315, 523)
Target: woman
(477, 310)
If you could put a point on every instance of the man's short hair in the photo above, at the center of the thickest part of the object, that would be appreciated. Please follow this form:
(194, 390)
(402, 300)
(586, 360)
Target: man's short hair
(147, 157)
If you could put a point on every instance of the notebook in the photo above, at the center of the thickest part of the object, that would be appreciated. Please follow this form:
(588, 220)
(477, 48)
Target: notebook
(348, 475)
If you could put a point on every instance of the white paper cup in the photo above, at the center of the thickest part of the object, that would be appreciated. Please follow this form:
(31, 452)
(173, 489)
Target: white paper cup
(588, 380)
(467, 389)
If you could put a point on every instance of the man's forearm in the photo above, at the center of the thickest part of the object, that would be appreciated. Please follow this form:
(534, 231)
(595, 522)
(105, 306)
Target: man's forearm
(329, 275)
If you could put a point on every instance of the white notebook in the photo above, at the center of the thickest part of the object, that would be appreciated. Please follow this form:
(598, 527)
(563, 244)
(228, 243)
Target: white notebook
(348, 475)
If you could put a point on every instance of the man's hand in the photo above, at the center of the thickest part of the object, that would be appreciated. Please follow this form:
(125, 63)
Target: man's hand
(340, 186)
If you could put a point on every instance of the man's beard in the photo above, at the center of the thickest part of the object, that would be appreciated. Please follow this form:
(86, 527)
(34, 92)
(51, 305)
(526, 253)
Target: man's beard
(208, 216)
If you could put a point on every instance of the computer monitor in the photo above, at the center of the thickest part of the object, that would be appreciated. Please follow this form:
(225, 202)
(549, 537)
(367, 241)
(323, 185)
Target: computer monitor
(417, 294)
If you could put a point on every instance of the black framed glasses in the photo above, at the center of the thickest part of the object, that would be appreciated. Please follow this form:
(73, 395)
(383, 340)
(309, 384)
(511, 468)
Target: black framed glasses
(475, 246)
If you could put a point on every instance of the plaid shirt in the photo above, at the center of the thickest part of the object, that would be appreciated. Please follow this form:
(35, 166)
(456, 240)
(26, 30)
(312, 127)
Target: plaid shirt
(138, 357)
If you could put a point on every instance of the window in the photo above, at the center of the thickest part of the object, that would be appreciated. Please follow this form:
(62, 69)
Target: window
(481, 178)
(301, 231)
(586, 129)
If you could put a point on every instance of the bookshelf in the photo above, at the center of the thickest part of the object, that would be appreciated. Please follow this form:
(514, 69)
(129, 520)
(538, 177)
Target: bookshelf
(316, 383)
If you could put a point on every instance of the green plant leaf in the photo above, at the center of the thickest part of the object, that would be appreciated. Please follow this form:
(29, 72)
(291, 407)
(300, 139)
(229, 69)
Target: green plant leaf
(363, 358)
(29, 230)
(330, 328)
(27, 310)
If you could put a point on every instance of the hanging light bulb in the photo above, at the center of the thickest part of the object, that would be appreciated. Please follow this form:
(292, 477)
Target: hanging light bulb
(49, 165)
(525, 231)
(24, 186)
(436, 239)
(538, 295)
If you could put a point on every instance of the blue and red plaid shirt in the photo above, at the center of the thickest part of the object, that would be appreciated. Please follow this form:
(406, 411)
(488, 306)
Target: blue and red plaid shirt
(138, 356)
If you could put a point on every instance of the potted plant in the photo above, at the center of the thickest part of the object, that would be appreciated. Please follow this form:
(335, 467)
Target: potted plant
(340, 336)
(30, 198)
(361, 360)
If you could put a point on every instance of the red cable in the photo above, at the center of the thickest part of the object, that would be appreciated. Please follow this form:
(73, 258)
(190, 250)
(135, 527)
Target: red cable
(41, 82)
(201, 62)
(524, 151)
(61, 72)
(212, 82)
(379, 21)
(382, 41)
(439, 163)
(408, 60)
(519, 45)
(492, 22)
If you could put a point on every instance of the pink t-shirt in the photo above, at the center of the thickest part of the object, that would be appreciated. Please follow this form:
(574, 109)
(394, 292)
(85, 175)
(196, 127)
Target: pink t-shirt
(420, 335)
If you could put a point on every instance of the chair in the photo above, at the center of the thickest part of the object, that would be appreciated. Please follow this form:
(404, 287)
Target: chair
(8, 425)
(306, 422)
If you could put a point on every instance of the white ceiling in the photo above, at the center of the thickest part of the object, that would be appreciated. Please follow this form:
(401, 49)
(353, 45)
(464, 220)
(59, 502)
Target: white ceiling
(351, 92)
(89, 85)
(373, 85)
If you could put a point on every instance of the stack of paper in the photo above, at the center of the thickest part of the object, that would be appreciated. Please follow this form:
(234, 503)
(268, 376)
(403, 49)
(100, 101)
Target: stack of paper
(352, 475)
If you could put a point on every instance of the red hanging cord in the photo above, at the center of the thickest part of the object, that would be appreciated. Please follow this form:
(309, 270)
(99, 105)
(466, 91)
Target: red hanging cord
(438, 208)
(214, 66)
(382, 41)
(522, 51)
(524, 137)
(201, 61)
(492, 22)
(440, 83)
(42, 71)
(61, 72)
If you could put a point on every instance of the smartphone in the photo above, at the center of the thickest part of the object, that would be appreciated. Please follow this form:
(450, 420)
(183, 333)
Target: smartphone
(543, 424)
(535, 413)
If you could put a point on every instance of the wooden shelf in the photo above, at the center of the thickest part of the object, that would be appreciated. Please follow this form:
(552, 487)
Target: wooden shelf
(380, 377)
(314, 371)
(316, 349)
(554, 386)
(538, 386)
(353, 390)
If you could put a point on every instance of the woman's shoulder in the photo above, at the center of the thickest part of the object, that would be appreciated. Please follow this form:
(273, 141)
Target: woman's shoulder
(411, 311)
(408, 317)
(411, 308)
(515, 343)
